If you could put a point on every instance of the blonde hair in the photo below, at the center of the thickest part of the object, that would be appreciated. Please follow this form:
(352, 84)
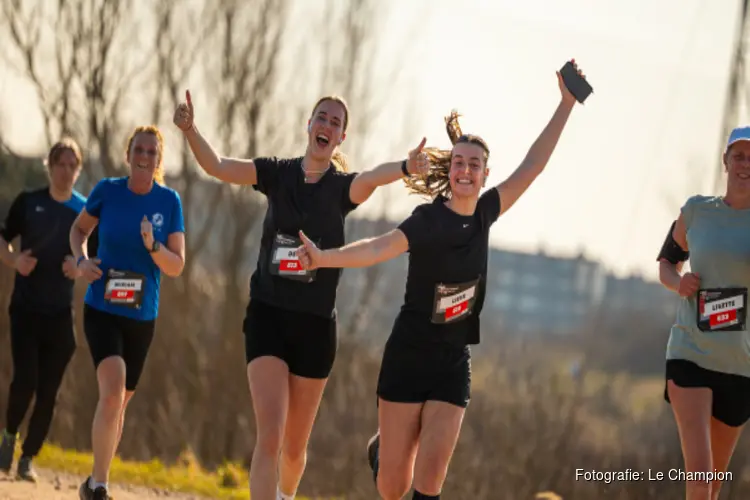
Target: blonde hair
(339, 160)
(61, 146)
(153, 130)
(437, 180)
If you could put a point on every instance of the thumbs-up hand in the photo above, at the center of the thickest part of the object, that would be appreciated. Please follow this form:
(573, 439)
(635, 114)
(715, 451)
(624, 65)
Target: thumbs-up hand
(418, 161)
(309, 255)
(183, 115)
(147, 233)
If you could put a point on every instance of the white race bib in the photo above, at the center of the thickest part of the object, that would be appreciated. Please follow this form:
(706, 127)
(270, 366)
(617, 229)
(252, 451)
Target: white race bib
(454, 302)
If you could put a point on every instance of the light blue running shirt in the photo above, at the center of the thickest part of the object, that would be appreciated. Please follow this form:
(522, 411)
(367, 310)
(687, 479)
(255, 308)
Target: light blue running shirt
(718, 239)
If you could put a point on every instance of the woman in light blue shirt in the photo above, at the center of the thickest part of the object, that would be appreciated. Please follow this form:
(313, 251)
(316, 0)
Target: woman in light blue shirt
(708, 353)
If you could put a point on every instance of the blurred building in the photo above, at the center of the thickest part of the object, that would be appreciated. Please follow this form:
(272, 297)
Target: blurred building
(536, 292)
(635, 294)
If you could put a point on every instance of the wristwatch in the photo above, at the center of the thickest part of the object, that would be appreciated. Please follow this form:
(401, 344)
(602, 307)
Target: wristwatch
(155, 246)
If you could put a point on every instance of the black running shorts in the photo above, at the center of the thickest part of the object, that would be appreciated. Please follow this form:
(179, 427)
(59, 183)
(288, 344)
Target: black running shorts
(112, 335)
(731, 393)
(307, 343)
(413, 372)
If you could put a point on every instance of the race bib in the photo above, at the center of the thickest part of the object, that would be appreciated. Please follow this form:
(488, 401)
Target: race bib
(453, 302)
(722, 309)
(124, 288)
(284, 260)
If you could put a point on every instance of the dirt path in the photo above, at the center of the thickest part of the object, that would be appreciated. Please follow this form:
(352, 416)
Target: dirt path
(59, 486)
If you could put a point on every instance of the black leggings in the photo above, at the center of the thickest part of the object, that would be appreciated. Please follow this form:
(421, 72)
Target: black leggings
(41, 347)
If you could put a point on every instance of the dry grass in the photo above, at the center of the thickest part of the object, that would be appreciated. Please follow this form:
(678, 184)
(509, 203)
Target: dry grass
(527, 430)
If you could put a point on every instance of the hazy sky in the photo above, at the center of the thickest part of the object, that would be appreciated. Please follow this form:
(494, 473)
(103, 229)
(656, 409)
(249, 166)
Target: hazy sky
(644, 141)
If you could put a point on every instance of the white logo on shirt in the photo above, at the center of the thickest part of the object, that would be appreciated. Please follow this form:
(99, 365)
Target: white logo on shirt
(157, 220)
(39, 209)
(466, 225)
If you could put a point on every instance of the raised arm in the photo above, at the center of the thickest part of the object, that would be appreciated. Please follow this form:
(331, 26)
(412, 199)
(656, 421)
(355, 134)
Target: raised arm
(367, 182)
(363, 253)
(232, 170)
(540, 152)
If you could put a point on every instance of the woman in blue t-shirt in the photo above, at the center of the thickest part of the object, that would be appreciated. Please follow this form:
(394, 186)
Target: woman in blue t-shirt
(141, 235)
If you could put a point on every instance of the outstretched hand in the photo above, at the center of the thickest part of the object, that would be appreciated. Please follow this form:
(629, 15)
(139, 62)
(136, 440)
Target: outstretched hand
(418, 161)
(567, 97)
(308, 254)
(183, 115)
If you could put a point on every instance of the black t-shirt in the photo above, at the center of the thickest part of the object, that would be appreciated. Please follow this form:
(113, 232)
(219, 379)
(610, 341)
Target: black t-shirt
(44, 227)
(447, 276)
(319, 210)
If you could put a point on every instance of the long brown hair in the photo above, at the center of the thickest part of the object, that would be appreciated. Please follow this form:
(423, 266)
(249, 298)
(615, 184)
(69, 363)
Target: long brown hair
(153, 130)
(339, 160)
(437, 180)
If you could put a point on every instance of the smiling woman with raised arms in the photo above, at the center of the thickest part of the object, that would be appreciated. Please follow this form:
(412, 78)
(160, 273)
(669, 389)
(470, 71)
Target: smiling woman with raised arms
(290, 323)
(425, 379)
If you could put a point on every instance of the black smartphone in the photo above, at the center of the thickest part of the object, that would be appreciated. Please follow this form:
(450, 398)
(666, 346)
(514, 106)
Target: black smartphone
(577, 85)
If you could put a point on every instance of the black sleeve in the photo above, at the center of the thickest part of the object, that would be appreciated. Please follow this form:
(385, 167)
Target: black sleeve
(347, 205)
(417, 228)
(14, 220)
(267, 174)
(488, 206)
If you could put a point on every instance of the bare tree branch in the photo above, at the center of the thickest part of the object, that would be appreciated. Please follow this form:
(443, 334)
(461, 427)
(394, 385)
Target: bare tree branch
(177, 41)
(25, 33)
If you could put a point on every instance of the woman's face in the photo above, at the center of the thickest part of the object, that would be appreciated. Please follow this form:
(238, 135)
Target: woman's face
(143, 157)
(737, 162)
(468, 170)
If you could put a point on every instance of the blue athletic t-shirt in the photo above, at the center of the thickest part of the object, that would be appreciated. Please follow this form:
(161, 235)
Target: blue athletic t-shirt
(120, 212)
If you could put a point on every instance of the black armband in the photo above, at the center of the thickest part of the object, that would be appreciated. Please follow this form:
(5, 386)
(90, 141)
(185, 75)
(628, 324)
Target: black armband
(670, 250)
(404, 170)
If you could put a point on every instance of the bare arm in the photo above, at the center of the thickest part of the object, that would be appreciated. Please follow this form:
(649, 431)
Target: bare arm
(367, 182)
(365, 252)
(671, 274)
(171, 258)
(232, 170)
(536, 159)
(80, 231)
